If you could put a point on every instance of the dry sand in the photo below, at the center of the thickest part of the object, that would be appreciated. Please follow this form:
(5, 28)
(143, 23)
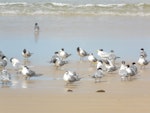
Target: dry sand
(52, 96)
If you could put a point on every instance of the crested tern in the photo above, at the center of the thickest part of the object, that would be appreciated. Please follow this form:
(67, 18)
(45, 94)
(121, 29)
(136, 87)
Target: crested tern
(70, 77)
(82, 53)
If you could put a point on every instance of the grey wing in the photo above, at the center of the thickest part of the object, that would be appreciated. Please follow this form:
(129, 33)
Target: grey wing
(134, 70)
(61, 63)
(31, 73)
(111, 57)
(85, 53)
(53, 58)
(99, 74)
(123, 72)
(146, 62)
(67, 54)
(95, 75)
(72, 79)
(3, 63)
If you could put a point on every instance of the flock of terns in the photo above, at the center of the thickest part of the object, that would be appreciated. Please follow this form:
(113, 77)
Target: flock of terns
(105, 64)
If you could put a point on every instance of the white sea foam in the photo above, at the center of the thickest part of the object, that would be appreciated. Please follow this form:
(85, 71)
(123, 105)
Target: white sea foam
(13, 3)
(52, 8)
(60, 4)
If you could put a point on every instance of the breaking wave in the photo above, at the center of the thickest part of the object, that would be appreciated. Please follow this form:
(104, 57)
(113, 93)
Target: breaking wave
(51, 8)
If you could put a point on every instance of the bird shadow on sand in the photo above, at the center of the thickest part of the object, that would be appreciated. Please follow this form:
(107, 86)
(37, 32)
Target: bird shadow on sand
(37, 75)
(33, 77)
(101, 81)
(70, 87)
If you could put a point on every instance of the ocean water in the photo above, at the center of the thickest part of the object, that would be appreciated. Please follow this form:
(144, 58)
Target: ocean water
(75, 7)
(91, 24)
(81, 1)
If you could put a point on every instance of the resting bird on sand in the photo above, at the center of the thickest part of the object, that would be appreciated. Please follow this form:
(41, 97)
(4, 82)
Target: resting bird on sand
(70, 77)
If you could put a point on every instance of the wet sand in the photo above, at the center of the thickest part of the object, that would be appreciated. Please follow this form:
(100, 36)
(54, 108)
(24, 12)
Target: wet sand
(124, 35)
(49, 93)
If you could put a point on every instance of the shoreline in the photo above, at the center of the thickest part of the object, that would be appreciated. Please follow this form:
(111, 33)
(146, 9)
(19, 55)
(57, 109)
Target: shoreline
(49, 93)
(52, 78)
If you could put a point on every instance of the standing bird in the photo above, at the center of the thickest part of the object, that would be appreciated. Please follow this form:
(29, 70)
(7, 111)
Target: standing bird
(1, 55)
(3, 62)
(98, 75)
(59, 62)
(142, 61)
(63, 54)
(36, 27)
(143, 53)
(70, 77)
(5, 77)
(112, 56)
(130, 71)
(36, 31)
(91, 58)
(26, 54)
(15, 63)
(54, 57)
(134, 68)
(27, 73)
(110, 67)
(81, 52)
(102, 54)
(123, 65)
(101, 65)
(127, 71)
(122, 71)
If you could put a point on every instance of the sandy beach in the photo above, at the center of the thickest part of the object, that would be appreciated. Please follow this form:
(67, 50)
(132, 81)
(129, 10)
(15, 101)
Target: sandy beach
(91, 25)
(29, 100)
(49, 93)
